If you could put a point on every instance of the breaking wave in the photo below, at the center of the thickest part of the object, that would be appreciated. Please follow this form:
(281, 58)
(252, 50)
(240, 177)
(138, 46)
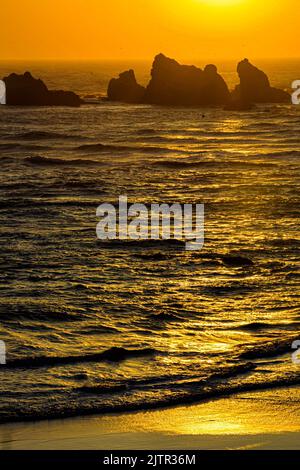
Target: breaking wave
(114, 355)
(50, 161)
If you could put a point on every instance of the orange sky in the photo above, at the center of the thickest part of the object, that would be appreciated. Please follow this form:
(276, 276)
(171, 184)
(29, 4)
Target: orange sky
(113, 29)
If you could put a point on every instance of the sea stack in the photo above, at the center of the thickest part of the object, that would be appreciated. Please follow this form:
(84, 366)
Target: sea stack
(185, 85)
(255, 86)
(173, 84)
(125, 89)
(25, 90)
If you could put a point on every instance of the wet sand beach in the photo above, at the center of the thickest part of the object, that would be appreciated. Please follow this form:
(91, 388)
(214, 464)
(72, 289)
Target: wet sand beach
(259, 420)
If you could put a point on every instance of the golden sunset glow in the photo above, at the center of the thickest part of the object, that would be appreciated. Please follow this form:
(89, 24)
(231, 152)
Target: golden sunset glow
(94, 29)
(220, 2)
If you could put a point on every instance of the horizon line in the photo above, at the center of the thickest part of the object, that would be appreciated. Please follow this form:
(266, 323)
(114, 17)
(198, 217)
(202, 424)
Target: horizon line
(144, 59)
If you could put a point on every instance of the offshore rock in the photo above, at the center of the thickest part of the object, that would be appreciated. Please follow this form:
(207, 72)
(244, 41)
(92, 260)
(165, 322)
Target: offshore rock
(125, 89)
(255, 86)
(185, 85)
(25, 90)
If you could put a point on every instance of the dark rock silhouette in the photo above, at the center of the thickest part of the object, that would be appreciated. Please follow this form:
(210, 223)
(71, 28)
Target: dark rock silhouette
(25, 90)
(185, 85)
(125, 89)
(173, 84)
(255, 87)
(236, 261)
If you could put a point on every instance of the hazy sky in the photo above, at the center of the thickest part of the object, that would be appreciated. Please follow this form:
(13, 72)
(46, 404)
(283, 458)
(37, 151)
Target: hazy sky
(112, 29)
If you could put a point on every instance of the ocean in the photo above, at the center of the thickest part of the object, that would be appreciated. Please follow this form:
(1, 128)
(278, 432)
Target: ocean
(92, 327)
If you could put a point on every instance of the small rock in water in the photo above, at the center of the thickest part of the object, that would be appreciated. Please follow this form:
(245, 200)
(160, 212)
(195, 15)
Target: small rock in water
(236, 261)
(153, 256)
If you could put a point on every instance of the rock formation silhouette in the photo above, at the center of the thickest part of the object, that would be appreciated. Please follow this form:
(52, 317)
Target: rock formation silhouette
(255, 87)
(125, 89)
(25, 90)
(173, 84)
(185, 85)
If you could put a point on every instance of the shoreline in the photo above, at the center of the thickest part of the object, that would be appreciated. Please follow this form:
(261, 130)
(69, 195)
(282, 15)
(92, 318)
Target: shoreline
(268, 419)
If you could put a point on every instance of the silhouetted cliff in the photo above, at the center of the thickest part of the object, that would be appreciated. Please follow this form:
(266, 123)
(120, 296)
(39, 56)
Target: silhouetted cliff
(255, 87)
(25, 90)
(175, 84)
(125, 89)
